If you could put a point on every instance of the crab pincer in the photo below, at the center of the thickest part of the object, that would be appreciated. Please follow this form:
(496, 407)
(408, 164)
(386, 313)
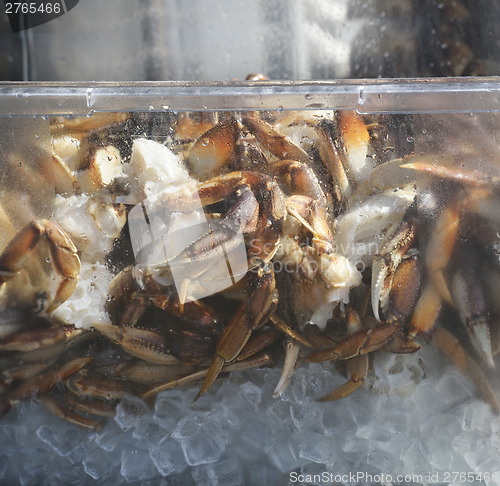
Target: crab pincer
(63, 254)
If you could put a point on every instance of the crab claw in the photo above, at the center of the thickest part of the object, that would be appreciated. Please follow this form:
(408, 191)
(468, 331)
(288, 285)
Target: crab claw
(62, 251)
(397, 243)
(469, 297)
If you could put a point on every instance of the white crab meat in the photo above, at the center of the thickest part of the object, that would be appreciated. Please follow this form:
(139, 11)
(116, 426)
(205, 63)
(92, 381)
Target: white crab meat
(360, 231)
(153, 169)
(319, 282)
(339, 275)
(92, 225)
(86, 306)
(104, 167)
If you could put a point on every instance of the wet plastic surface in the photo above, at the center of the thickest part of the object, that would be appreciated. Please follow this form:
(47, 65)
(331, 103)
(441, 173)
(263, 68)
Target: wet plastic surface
(420, 416)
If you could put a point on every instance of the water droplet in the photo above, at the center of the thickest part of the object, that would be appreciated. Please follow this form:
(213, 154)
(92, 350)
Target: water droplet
(410, 139)
(308, 96)
(280, 109)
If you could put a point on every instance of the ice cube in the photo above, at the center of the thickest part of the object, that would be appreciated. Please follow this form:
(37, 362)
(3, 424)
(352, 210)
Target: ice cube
(453, 388)
(217, 428)
(188, 426)
(99, 466)
(477, 416)
(308, 418)
(201, 448)
(285, 455)
(168, 457)
(148, 431)
(129, 411)
(356, 444)
(427, 400)
(440, 454)
(261, 473)
(415, 459)
(136, 465)
(319, 448)
(61, 440)
(251, 438)
(107, 438)
(252, 393)
(375, 432)
(4, 464)
(384, 461)
(225, 472)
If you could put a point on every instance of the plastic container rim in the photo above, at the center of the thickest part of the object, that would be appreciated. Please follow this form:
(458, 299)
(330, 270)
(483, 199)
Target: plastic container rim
(422, 95)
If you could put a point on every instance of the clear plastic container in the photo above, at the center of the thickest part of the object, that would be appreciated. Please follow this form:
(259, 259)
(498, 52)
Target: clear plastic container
(328, 195)
(286, 39)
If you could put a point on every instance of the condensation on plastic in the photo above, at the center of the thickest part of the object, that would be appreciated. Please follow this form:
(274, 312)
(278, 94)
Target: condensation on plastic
(451, 95)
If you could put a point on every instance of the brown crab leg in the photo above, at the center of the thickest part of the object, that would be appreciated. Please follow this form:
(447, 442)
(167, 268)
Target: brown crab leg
(451, 347)
(95, 406)
(32, 340)
(440, 249)
(261, 302)
(357, 369)
(45, 381)
(361, 342)
(329, 155)
(214, 149)
(469, 297)
(63, 411)
(258, 360)
(141, 343)
(282, 326)
(96, 386)
(274, 141)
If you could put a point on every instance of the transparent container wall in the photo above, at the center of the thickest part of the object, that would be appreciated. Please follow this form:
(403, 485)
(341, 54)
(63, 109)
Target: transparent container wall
(395, 185)
(285, 39)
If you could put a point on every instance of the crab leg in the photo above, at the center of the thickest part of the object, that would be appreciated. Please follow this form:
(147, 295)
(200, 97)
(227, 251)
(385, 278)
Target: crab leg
(62, 250)
(63, 411)
(451, 347)
(440, 249)
(46, 380)
(274, 141)
(291, 357)
(259, 306)
(256, 361)
(95, 406)
(214, 149)
(142, 343)
(359, 343)
(470, 300)
(357, 369)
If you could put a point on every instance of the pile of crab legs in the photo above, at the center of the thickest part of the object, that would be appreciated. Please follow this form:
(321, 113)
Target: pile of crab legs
(288, 198)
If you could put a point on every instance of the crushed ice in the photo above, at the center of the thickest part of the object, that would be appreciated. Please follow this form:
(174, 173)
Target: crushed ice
(417, 414)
